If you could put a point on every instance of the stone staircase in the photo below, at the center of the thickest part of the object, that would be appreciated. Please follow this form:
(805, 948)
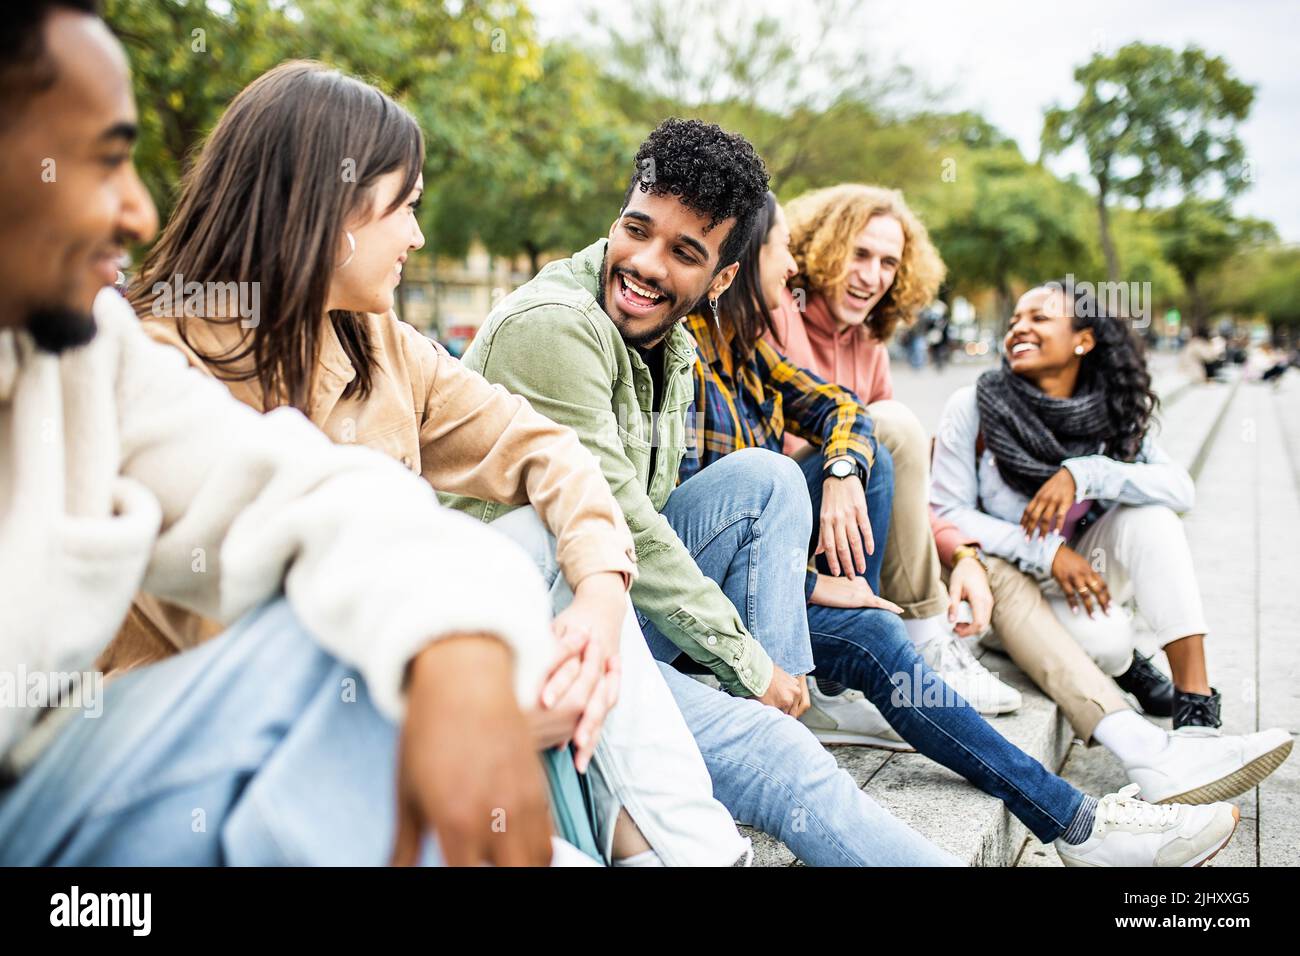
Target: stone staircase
(971, 825)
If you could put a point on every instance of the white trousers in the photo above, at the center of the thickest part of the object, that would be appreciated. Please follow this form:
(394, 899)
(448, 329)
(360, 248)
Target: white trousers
(1142, 554)
(647, 761)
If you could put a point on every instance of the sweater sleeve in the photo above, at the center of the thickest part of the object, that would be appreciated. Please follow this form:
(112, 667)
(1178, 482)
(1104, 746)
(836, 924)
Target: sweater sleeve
(477, 439)
(251, 505)
(954, 491)
(948, 538)
(884, 379)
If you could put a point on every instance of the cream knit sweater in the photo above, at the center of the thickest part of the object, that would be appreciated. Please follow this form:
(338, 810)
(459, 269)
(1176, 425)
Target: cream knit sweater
(121, 469)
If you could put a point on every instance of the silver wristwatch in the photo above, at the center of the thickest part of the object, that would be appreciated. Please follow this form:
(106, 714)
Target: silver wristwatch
(845, 467)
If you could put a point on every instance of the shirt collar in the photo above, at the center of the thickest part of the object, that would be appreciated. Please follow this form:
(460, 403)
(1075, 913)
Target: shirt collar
(702, 330)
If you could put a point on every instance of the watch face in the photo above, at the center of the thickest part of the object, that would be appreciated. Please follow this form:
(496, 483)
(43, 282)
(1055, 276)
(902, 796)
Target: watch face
(842, 469)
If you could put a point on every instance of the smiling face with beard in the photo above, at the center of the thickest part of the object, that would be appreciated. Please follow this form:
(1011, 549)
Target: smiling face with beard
(57, 328)
(71, 201)
(661, 260)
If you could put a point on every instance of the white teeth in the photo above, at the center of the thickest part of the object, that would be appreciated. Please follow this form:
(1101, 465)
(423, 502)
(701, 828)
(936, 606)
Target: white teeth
(859, 295)
(645, 293)
(1023, 347)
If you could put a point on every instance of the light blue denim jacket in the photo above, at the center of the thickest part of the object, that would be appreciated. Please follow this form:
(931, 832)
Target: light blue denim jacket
(984, 506)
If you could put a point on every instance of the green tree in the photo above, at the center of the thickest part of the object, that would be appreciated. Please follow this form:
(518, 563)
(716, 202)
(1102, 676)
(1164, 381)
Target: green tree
(1263, 280)
(1150, 118)
(188, 60)
(799, 89)
(1198, 235)
(556, 182)
(1002, 221)
(456, 64)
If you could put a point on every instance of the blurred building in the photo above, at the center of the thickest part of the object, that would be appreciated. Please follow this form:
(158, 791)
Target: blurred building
(448, 297)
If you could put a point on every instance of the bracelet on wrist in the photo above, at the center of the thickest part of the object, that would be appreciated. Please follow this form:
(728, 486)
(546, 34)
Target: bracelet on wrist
(968, 551)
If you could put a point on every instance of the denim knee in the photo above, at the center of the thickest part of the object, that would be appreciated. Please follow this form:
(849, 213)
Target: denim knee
(882, 468)
(779, 482)
(869, 636)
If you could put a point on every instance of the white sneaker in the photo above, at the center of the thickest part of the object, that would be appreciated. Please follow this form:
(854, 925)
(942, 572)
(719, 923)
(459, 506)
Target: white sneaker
(1201, 765)
(1131, 832)
(952, 660)
(849, 718)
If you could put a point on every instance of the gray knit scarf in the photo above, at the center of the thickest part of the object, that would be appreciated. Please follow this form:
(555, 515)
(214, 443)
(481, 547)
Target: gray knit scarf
(1030, 433)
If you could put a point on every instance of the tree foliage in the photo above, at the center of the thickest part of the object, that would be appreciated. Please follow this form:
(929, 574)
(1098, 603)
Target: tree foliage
(1151, 118)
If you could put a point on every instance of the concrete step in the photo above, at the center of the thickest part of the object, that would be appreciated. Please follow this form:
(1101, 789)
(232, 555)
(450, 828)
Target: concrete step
(1188, 417)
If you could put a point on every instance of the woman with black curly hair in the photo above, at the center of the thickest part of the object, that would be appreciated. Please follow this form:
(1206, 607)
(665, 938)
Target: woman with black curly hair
(1049, 462)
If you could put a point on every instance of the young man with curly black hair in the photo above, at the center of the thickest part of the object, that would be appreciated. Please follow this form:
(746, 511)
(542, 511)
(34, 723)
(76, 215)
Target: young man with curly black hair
(595, 342)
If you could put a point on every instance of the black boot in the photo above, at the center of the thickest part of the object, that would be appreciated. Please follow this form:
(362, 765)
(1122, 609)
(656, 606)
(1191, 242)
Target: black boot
(1196, 710)
(1154, 691)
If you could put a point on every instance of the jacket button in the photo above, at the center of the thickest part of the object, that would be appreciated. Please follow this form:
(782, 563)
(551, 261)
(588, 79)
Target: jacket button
(712, 639)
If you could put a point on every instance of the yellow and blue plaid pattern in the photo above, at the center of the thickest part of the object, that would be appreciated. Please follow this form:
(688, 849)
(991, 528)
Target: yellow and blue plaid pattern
(754, 406)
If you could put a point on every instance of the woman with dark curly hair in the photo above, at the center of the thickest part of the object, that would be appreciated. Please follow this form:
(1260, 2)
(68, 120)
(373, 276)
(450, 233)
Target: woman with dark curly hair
(1049, 462)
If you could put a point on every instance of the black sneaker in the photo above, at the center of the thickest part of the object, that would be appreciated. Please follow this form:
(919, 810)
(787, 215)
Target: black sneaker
(1154, 691)
(1196, 710)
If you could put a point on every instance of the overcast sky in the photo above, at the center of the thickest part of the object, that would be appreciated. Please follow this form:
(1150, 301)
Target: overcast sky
(1010, 59)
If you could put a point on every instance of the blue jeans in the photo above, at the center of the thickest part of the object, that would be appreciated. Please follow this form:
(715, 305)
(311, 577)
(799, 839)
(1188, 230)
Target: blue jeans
(880, 505)
(647, 761)
(868, 650)
(771, 773)
(745, 520)
(257, 748)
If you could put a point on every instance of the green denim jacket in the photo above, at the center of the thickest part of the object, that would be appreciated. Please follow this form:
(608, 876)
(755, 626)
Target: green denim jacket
(551, 342)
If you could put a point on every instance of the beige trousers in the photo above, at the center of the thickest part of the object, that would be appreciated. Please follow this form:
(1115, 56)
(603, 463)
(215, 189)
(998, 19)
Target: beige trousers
(911, 576)
(1043, 648)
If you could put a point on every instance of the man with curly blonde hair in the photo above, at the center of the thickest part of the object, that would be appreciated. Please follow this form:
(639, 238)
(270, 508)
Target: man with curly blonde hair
(866, 264)
(866, 256)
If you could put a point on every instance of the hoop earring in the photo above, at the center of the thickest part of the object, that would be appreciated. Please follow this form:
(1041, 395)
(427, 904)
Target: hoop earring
(352, 243)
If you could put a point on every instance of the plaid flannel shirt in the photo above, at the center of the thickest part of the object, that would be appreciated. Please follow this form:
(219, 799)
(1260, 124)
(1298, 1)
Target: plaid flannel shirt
(754, 406)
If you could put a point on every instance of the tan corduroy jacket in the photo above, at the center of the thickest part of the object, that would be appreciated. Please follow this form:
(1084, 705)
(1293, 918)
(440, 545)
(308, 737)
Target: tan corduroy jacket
(439, 419)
